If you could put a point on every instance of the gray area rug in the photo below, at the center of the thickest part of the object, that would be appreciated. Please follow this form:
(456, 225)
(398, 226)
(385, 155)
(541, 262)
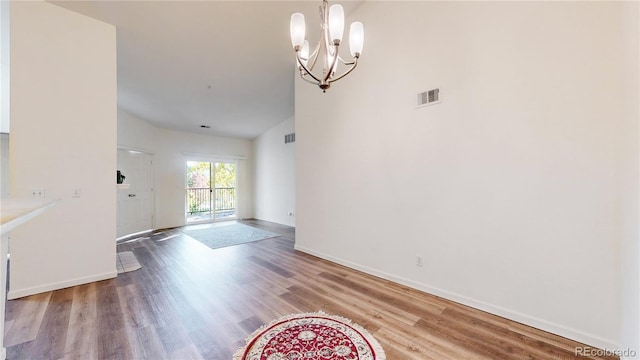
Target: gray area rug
(228, 235)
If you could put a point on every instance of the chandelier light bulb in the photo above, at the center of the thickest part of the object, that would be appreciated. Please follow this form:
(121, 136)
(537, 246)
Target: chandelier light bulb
(336, 23)
(297, 29)
(356, 38)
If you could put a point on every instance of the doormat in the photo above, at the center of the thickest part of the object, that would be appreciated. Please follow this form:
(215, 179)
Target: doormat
(218, 236)
(313, 336)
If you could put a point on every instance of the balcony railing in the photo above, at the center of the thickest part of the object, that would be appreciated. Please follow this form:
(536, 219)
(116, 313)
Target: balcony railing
(199, 201)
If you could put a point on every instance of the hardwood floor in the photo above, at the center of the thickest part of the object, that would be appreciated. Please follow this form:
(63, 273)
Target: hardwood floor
(191, 302)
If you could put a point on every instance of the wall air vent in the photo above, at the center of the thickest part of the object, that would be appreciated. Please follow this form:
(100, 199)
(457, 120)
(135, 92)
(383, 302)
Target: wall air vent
(429, 97)
(289, 138)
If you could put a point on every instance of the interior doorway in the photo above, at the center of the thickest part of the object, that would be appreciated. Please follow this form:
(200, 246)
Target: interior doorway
(211, 191)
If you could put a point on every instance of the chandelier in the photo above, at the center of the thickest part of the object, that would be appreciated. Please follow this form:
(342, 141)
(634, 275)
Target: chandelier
(326, 52)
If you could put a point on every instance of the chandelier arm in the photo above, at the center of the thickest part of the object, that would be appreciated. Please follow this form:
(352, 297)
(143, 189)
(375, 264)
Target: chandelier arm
(314, 55)
(305, 68)
(355, 63)
(302, 76)
(333, 65)
(344, 62)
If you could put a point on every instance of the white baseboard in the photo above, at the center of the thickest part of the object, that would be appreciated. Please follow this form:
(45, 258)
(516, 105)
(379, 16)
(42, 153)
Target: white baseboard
(570, 333)
(15, 294)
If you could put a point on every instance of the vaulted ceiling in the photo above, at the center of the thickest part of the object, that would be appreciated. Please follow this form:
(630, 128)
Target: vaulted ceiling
(225, 64)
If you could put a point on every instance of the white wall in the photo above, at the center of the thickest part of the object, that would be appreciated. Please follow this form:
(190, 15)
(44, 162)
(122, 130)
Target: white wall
(4, 165)
(275, 178)
(630, 249)
(135, 132)
(169, 147)
(509, 188)
(63, 136)
(5, 74)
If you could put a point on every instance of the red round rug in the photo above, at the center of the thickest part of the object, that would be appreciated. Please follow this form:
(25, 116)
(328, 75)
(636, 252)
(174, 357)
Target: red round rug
(311, 336)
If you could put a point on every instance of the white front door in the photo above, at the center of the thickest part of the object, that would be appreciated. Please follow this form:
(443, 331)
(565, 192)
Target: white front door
(135, 195)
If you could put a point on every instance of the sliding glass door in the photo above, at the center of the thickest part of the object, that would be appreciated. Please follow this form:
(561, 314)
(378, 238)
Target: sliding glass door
(211, 191)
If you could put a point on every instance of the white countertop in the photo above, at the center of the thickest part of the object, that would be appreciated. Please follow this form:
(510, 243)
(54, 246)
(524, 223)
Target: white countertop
(15, 212)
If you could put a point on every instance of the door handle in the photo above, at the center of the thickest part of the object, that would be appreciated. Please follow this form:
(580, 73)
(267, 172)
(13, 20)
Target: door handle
(132, 195)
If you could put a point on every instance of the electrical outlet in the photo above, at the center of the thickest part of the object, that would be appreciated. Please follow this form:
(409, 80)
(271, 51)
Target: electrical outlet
(37, 193)
(419, 261)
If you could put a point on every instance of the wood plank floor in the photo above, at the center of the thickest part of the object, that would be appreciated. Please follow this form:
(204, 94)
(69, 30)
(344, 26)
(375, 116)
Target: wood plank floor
(191, 302)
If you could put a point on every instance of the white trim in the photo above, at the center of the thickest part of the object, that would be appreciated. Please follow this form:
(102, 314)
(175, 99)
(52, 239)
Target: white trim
(133, 149)
(211, 157)
(535, 322)
(134, 234)
(15, 294)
